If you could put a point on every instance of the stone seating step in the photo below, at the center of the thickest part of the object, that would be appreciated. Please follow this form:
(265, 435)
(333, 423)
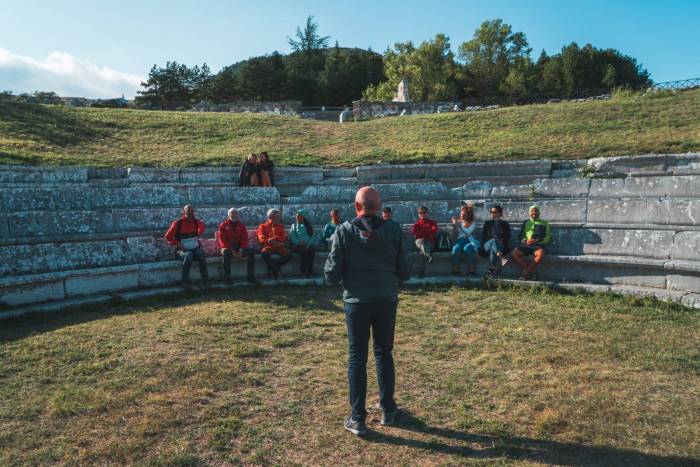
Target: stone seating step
(24, 290)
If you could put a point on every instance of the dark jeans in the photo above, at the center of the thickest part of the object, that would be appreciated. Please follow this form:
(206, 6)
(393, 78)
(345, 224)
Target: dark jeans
(307, 255)
(492, 247)
(380, 317)
(275, 261)
(187, 256)
(248, 254)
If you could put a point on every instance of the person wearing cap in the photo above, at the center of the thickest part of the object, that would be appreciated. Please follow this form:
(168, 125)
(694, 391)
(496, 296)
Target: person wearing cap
(232, 241)
(184, 234)
(535, 234)
(330, 227)
(272, 239)
(369, 259)
(301, 238)
(388, 215)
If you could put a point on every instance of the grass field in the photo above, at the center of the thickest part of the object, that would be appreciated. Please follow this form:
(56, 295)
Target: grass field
(486, 377)
(35, 134)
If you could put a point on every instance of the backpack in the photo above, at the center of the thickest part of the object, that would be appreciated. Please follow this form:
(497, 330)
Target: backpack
(443, 242)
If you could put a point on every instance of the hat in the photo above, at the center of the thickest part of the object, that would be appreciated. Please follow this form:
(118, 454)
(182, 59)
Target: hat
(303, 213)
(534, 206)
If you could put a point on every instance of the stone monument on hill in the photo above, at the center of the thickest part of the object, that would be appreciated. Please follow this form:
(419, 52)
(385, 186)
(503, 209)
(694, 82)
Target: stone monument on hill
(402, 92)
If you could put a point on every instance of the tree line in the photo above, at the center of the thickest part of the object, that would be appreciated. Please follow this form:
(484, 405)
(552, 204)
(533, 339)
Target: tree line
(496, 63)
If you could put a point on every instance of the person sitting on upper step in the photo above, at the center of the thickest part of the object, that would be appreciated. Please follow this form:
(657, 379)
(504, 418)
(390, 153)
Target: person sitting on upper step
(232, 241)
(184, 233)
(301, 237)
(465, 244)
(535, 234)
(265, 168)
(330, 227)
(495, 237)
(248, 175)
(272, 239)
(424, 232)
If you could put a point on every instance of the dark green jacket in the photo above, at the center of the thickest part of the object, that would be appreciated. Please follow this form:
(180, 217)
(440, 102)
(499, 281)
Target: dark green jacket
(368, 257)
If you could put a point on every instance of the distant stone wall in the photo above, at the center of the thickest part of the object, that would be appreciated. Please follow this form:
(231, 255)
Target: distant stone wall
(371, 109)
(277, 108)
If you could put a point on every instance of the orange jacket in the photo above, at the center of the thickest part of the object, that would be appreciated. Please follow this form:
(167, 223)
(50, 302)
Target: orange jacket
(266, 232)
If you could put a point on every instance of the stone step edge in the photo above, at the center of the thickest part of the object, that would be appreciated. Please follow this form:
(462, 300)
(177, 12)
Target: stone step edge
(687, 299)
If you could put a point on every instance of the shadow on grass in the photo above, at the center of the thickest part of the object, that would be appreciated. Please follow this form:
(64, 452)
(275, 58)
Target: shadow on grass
(453, 442)
(305, 298)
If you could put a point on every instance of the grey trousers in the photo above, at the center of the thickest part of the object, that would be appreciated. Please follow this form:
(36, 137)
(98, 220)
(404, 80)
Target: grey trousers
(426, 249)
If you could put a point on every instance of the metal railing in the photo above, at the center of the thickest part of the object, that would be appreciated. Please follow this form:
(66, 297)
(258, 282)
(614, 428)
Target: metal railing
(678, 85)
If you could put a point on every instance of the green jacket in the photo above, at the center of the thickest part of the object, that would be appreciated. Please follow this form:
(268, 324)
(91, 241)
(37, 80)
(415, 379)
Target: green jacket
(538, 229)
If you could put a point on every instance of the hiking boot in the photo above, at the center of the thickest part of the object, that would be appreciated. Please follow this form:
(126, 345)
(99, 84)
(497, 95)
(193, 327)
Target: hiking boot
(488, 275)
(390, 417)
(355, 427)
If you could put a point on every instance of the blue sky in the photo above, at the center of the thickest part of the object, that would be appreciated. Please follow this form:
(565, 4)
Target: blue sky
(103, 48)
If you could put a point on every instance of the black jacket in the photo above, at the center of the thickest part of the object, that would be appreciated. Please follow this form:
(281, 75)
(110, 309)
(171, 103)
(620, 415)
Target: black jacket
(369, 258)
(269, 166)
(247, 169)
(496, 229)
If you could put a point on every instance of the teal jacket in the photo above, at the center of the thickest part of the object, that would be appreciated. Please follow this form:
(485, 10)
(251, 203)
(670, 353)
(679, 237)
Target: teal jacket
(298, 234)
(329, 230)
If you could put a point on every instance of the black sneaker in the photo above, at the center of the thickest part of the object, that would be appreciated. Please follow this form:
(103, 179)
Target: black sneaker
(390, 417)
(355, 427)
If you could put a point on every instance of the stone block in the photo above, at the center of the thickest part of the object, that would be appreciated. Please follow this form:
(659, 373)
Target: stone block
(233, 196)
(339, 173)
(43, 198)
(149, 249)
(562, 188)
(496, 169)
(292, 175)
(686, 246)
(476, 190)
(671, 186)
(413, 191)
(628, 211)
(138, 197)
(606, 188)
(629, 164)
(56, 223)
(682, 212)
(618, 274)
(329, 194)
(27, 292)
(368, 174)
(98, 281)
(638, 243)
(206, 175)
(4, 228)
(691, 300)
(153, 175)
(688, 281)
(513, 192)
(23, 259)
(99, 173)
(14, 174)
(409, 171)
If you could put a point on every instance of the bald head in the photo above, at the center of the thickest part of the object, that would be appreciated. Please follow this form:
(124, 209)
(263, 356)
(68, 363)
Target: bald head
(367, 201)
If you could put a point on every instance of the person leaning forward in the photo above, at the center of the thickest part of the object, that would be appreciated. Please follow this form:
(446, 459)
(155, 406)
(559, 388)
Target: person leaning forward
(368, 257)
(184, 233)
(232, 241)
(273, 239)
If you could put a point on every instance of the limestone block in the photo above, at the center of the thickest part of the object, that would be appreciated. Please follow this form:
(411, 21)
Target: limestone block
(329, 194)
(25, 174)
(367, 174)
(621, 275)
(153, 175)
(671, 186)
(629, 164)
(498, 169)
(27, 292)
(339, 173)
(130, 220)
(97, 281)
(512, 192)
(627, 211)
(43, 198)
(137, 196)
(233, 195)
(413, 191)
(642, 243)
(290, 175)
(253, 216)
(4, 228)
(689, 282)
(68, 256)
(149, 249)
(205, 175)
(23, 259)
(477, 190)
(106, 173)
(409, 171)
(692, 300)
(562, 188)
(606, 188)
(51, 223)
(682, 212)
(686, 246)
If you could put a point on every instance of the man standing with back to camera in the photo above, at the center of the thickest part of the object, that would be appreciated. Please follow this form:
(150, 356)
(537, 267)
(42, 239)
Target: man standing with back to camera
(368, 257)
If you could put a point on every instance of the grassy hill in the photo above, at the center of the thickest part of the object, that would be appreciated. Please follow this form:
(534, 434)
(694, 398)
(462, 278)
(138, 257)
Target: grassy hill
(34, 134)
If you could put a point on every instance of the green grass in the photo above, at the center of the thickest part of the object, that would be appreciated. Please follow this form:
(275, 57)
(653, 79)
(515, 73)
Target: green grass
(511, 376)
(625, 125)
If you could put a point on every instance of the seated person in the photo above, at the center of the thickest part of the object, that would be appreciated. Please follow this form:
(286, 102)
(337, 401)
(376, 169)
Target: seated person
(301, 237)
(272, 239)
(184, 234)
(329, 229)
(424, 233)
(465, 245)
(232, 240)
(495, 237)
(388, 214)
(535, 234)
(265, 168)
(248, 175)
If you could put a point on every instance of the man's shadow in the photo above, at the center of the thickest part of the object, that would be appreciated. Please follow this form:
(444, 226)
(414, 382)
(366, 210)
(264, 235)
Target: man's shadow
(459, 443)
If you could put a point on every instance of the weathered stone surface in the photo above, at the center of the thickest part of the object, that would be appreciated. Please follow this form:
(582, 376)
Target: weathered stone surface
(153, 175)
(513, 192)
(367, 174)
(53, 223)
(642, 243)
(686, 246)
(606, 188)
(298, 174)
(562, 188)
(643, 163)
(629, 211)
(682, 212)
(18, 294)
(4, 228)
(24, 174)
(496, 169)
(233, 195)
(339, 173)
(476, 190)
(99, 173)
(329, 194)
(111, 280)
(621, 274)
(688, 281)
(30, 199)
(413, 191)
(224, 175)
(691, 300)
(672, 186)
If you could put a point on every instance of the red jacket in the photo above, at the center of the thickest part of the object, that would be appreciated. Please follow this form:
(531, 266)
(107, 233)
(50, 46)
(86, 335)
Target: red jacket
(231, 235)
(266, 232)
(425, 228)
(188, 229)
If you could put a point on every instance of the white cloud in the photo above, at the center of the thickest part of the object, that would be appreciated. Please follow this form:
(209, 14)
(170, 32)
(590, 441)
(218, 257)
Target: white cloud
(64, 74)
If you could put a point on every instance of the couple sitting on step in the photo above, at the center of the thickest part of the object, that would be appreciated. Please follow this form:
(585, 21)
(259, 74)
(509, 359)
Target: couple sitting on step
(535, 234)
(257, 170)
